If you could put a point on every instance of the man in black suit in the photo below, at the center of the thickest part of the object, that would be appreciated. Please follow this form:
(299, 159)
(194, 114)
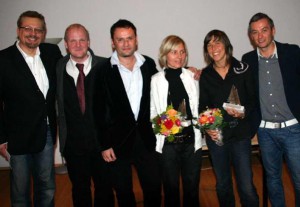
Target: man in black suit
(277, 72)
(27, 112)
(122, 115)
(78, 142)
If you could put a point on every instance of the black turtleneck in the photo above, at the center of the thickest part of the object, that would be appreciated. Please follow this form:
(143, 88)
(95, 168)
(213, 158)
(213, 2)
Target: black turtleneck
(177, 92)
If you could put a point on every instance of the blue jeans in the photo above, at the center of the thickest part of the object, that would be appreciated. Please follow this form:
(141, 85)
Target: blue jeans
(41, 167)
(276, 144)
(239, 154)
(181, 159)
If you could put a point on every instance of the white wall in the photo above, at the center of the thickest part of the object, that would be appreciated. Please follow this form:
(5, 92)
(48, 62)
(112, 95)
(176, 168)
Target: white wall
(155, 19)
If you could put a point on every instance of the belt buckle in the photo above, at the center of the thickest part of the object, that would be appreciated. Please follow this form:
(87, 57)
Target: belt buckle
(277, 125)
(175, 140)
(180, 139)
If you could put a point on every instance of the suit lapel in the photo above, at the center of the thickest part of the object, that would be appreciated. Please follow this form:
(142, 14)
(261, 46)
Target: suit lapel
(22, 66)
(144, 104)
(281, 58)
(48, 65)
(284, 61)
(24, 69)
(255, 67)
(117, 85)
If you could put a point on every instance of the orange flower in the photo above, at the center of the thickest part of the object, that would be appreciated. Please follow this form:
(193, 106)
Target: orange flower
(203, 119)
(171, 112)
(211, 119)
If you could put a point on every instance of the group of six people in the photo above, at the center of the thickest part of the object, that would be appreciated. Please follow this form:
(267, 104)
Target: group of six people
(105, 107)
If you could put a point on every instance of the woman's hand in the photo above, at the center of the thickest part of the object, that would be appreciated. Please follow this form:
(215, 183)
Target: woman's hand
(214, 134)
(197, 73)
(234, 113)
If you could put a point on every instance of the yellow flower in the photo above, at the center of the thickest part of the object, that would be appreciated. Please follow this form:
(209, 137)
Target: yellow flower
(175, 129)
(163, 129)
(173, 118)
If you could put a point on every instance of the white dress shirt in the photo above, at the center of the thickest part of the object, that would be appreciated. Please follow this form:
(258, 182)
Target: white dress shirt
(132, 80)
(73, 71)
(37, 69)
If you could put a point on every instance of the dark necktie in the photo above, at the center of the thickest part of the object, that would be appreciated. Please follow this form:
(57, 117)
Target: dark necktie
(80, 87)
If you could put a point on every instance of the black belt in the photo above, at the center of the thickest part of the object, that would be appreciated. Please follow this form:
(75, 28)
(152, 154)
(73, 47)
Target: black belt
(181, 138)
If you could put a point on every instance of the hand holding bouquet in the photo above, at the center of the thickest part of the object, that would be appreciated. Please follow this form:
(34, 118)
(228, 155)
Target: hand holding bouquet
(167, 123)
(212, 119)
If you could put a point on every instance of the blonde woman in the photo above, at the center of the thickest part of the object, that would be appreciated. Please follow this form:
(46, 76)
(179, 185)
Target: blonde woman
(174, 85)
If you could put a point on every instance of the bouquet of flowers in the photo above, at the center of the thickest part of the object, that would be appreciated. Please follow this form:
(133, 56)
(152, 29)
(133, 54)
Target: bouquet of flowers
(167, 123)
(212, 119)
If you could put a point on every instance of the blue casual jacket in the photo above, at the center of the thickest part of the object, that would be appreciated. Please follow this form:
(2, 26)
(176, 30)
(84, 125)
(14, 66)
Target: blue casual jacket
(289, 62)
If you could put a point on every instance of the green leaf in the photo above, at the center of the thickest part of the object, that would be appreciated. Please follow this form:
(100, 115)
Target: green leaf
(170, 138)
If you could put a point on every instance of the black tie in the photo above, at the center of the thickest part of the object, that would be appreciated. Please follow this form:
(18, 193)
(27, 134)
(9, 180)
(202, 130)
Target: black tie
(80, 87)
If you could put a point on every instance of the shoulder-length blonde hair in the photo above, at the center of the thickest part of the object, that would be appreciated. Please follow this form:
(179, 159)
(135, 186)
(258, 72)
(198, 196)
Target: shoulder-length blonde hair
(168, 44)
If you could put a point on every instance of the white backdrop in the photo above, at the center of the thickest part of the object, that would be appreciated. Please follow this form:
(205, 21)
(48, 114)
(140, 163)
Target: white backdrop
(155, 19)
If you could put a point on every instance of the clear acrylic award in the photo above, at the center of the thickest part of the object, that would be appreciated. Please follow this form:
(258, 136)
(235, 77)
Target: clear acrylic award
(233, 101)
(183, 114)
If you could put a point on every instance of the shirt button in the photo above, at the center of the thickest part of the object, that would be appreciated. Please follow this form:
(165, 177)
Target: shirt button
(271, 94)
(268, 72)
(269, 83)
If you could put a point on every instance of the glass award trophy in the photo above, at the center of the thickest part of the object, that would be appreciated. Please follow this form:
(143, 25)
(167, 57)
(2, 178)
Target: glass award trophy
(183, 114)
(233, 101)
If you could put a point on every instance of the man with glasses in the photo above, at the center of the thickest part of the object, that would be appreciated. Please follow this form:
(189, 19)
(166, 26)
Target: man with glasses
(27, 111)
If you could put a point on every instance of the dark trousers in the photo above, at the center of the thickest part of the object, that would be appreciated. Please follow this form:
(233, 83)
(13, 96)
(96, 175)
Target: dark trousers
(146, 164)
(181, 159)
(238, 154)
(84, 168)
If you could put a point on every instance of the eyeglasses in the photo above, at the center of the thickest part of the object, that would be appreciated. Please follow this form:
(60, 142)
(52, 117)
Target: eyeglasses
(30, 29)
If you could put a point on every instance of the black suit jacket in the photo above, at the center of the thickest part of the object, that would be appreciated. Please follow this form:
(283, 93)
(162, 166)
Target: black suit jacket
(289, 62)
(62, 123)
(116, 125)
(24, 110)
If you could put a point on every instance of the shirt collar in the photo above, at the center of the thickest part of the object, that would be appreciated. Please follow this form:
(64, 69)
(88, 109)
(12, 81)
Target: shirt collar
(86, 62)
(139, 59)
(273, 55)
(37, 53)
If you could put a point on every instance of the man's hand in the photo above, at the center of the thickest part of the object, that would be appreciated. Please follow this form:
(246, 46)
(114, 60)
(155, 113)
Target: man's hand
(197, 73)
(109, 155)
(3, 151)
